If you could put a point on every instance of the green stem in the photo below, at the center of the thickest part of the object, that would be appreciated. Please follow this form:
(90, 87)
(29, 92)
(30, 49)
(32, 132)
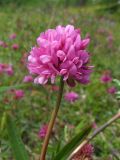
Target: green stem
(108, 123)
(52, 121)
(96, 132)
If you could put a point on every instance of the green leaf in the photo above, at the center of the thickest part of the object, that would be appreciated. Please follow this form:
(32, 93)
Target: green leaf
(67, 149)
(118, 93)
(3, 121)
(118, 97)
(15, 140)
(81, 125)
(117, 82)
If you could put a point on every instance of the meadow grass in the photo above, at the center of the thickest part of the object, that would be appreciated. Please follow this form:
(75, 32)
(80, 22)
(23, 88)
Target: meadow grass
(94, 104)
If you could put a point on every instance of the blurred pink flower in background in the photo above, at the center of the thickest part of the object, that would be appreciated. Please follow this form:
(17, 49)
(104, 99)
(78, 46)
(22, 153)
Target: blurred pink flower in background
(6, 68)
(60, 51)
(15, 46)
(12, 36)
(28, 78)
(106, 77)
(3, 44)
(1, 68)
(110, 40)
(87, 150)
(18, 94)
(43, 131)
(112, 90)
(55, 88)
(85, 153)
(9, 70)
(71, 96)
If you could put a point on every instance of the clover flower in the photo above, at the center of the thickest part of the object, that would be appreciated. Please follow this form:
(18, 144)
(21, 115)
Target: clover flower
(43, 131)
(3, 44)
(60, 51)
(71, 96)
(9, 70)
(85, 153)
(6, 68)
(18, 94)
(12, 36)
(112, 90)
(15, 46)
(1, 68)
(106, 77)
(28, 78)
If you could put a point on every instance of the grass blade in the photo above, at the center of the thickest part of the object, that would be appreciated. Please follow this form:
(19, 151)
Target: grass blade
(15, 140)
(67, 149)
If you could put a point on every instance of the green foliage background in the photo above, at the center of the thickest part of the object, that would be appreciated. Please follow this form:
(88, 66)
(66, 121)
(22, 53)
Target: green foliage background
(27, 19)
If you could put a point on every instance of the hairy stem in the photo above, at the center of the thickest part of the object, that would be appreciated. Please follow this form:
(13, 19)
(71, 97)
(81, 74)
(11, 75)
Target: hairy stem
(52, 121)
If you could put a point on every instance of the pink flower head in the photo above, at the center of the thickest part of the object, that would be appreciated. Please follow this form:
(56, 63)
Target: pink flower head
(112, 90)
(71, 96)
(1, 68)
(19, 94)
(3, 44)
(85, 152)
(106, 77)
(43, 131)
(28, 78)
(12, 36)
(60, 51)
(9, 70)
(15, 46)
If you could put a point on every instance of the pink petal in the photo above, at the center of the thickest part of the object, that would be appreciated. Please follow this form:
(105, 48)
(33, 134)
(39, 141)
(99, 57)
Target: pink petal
(61, 55)
(85, 43)
(45, 59)
(71, 52)
(63, 71)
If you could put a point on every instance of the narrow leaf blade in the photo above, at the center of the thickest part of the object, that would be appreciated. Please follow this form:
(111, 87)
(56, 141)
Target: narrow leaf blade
(67, 149)
(15, 140)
